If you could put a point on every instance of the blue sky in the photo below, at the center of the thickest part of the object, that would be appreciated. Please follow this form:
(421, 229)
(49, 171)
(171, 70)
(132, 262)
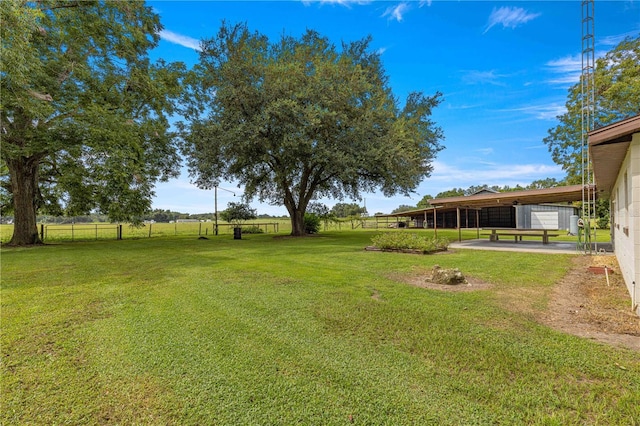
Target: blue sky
(503, 68)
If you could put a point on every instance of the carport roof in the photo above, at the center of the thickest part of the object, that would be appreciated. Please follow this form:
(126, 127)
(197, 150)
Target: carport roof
(557, 194)
(608, 147)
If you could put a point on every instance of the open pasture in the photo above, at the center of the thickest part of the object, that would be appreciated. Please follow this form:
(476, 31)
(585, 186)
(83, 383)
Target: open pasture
(278, 330)
(53, 233)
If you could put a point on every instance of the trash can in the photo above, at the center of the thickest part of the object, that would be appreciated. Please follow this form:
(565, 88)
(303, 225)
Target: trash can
(237, 233)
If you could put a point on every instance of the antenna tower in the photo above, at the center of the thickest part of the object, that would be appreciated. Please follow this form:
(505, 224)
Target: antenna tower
(587, 85)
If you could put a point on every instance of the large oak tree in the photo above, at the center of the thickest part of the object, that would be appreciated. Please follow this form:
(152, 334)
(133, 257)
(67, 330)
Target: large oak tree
(84, 111)
(617, 96)
(300, 119)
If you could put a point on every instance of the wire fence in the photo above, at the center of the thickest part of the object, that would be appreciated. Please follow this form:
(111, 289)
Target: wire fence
(50, 232)
(116, 231)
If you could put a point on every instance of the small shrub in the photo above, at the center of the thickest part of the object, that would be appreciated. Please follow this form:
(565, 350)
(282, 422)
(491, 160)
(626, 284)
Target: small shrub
(311, 223)
(252, 230)
(409, 241)
(603, 222)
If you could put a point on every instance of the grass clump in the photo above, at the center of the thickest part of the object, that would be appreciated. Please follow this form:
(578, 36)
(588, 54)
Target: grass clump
(409, 241)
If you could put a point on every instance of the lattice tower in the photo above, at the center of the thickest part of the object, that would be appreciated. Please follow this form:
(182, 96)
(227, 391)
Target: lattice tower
(588, 107)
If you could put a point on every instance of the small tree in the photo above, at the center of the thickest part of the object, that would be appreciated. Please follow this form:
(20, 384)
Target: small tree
(238, 213)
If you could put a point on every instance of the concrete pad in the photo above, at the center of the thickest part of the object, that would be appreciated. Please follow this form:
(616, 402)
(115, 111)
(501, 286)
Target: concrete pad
(529, 246)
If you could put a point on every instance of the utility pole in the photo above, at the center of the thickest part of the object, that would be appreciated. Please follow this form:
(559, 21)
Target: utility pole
(215, 197)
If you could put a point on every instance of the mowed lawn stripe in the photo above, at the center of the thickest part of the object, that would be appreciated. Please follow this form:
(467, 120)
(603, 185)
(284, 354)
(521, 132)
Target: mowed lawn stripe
(269, 330)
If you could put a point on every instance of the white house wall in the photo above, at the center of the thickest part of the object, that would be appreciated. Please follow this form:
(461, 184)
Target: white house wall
(626, 220)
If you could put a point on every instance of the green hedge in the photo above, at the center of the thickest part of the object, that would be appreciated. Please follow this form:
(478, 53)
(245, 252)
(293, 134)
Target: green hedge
(409, 241)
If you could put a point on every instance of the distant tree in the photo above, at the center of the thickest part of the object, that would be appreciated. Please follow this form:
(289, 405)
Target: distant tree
(543, 183)
(238, 213)
(508, 188)
(617, 82)
(403, 208)
(83, 110)
(299, 119)
(347, 210)
(424, 203)
(455, 192)
(477, 188)
(159, 215)
(537, 184)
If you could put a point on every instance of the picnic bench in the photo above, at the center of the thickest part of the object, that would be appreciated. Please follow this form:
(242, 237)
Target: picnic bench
(517, 234)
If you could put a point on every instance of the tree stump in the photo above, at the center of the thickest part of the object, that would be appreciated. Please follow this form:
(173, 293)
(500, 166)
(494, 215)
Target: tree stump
(447, 276)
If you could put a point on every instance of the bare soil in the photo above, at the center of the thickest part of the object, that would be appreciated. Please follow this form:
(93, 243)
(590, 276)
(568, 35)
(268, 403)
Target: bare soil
(582, 303)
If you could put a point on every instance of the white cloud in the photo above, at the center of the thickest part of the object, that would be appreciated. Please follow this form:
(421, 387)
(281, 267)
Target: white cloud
(179, 39)
(493, 175)
(509, 17)
(541, 112)
(396, 12)
(483, 77)
(425, 2)
(614, 40)
(484, 151)
(346, 3)
(566, 70)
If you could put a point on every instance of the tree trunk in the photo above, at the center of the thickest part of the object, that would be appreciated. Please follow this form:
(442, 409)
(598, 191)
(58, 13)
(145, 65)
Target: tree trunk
(297, 223)
(24, 186)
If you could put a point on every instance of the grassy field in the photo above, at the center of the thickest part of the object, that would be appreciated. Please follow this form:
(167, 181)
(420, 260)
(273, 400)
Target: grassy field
(106, 231)
(313, 330)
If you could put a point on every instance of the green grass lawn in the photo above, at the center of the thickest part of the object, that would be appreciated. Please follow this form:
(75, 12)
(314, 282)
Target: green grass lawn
(58, 233)
(313, 331)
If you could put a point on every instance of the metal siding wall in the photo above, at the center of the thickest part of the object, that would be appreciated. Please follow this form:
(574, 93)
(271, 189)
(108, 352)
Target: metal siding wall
(524, 217)
(524, 214)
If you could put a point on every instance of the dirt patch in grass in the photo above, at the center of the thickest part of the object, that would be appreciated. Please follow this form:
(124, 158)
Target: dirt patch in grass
(581, 304)
(422, 279)
(584, 305)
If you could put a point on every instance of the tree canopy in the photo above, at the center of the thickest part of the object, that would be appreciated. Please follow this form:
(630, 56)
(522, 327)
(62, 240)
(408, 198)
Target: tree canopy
(424, 202)
(238, 213)
(84, 111)
(348, 210)
(403, 208)
(617, 85)
(300, 119)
